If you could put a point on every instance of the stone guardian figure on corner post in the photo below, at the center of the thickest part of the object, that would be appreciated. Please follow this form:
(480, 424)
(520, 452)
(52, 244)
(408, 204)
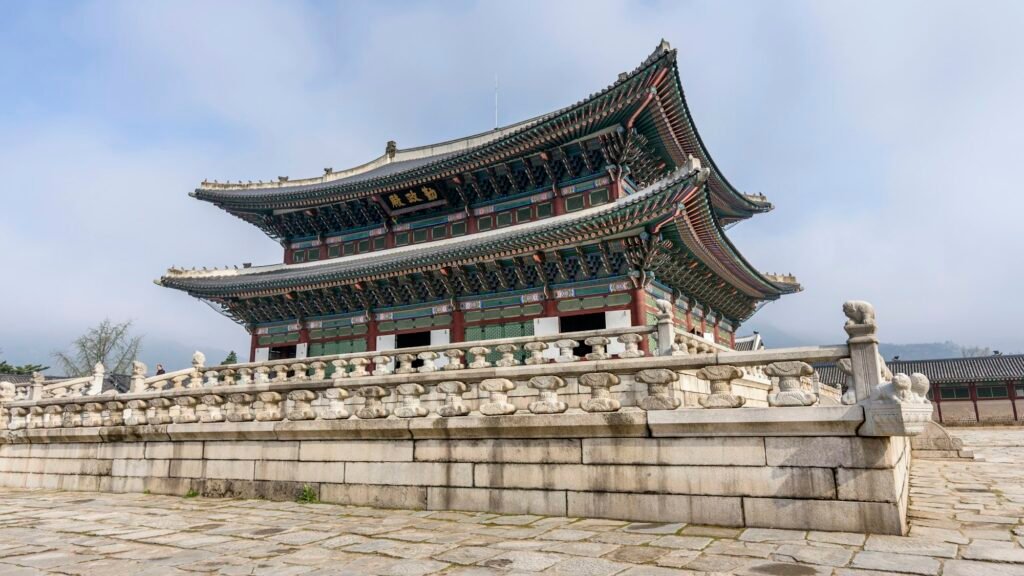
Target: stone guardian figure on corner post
(894, 405)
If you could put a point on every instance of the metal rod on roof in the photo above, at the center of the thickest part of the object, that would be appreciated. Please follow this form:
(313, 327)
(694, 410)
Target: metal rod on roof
(495, 101)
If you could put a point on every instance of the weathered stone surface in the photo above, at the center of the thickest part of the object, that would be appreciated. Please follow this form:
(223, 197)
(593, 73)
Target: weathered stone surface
(404, 497)
(286, 471)
(541, 502)
(675, 451)
(878, 485)
(839, 516)
(251, 450)
(500, 451)
(174, 450)
(792, 421)
(716, 510)
(409, 473)
(356, 450)
(231, 469)
(833, 452)
(904, 563)
(711, 480)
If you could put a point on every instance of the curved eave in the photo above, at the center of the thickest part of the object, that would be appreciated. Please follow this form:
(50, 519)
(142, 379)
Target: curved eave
(701, 232)
(631, 212)
(667, 112)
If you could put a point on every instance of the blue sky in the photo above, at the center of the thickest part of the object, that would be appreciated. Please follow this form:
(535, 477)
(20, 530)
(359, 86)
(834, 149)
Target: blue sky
(886, 133)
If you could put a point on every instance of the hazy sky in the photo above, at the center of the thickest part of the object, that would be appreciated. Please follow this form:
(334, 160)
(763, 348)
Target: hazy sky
(888, 135)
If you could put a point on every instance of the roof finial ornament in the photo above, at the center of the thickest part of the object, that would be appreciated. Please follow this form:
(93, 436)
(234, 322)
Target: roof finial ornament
(391, 149)
(664, 45)
(328, 170)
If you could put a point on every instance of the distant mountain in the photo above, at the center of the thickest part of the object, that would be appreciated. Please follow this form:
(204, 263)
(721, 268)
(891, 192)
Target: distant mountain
(932, 351)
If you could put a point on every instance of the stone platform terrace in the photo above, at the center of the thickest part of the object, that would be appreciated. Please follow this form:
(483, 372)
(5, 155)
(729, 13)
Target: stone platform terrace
(965, 519)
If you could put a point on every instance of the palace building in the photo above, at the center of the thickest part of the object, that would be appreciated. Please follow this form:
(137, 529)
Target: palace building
(575, 220)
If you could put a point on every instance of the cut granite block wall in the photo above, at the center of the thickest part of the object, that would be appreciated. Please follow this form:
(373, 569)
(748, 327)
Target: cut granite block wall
(758, 470)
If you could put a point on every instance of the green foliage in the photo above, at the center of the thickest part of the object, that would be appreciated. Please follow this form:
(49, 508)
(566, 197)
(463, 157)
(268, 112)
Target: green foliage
(191, 493)
(108, 343)
(6, 368)
(231, 359)
(308, 495)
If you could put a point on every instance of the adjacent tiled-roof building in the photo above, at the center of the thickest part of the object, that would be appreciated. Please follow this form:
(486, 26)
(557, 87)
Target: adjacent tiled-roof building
(964, 390)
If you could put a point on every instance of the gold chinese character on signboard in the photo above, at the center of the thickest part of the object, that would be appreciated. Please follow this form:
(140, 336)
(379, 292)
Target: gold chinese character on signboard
(412, 198)
(396, 201)
(429, 193)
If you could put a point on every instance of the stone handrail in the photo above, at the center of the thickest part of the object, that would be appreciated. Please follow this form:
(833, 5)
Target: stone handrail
(387, 384)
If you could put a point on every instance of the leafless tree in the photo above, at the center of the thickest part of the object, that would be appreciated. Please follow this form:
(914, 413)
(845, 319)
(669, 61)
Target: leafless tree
(109, 343)
(975, 351)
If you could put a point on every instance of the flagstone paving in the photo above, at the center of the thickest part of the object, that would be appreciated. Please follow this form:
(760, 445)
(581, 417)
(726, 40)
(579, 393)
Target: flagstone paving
(966, 519)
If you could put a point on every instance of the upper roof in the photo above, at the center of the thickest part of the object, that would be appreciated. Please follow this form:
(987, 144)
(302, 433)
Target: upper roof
(661, 199)
(650, 97)
(947, 370)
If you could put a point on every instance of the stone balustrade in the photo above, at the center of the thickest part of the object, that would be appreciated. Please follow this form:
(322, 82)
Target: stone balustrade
(495, 377)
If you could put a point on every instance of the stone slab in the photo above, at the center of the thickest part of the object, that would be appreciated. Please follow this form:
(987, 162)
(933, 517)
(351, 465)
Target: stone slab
(790, 421)
(567, 425)
(746, 451)
(404, 497)
(409, 473)
(540, 502)
(503, 450)
(832, 452)
(714, 510)
(830, 515)
(356, 450)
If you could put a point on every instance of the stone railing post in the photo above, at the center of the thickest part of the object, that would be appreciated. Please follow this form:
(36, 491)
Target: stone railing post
(453, 405)
(214, 411)
(600, 394)
(508, 355)
(187, 410)
(536, 350)
(227, 376)
(382, 365)
(53, 417)
(479, 357)
(428, 359)
(599, 348)
(373, 407)
(138, 380)
(19, 418)
(721, 377)
(72, 416)
(405, 364)
(565, 353)
(212, 378)
(865, 362)
(161, 408)
(280, 372)
(300, 372)
(358, 367)
(409, 396)
(269, 406)
(245, 376)
(93, 414)
(98, 374)
(679, 347)
(659, 394)
(34, 418)
(632, 344)
(340, 368)
(35, 389)
(261, 375)
(455, 359)
(136, 413)
(113, 415)
(302, 407)
(849, 391)
(548, 387)
(497, 404)
(333, 404)
(666, 327)
(319, 370)
(240, 407)
(790, 392)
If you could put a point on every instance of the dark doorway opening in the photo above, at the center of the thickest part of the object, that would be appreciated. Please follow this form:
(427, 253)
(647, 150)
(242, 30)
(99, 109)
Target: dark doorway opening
(580, 323)
(413, 340)
(282, 352)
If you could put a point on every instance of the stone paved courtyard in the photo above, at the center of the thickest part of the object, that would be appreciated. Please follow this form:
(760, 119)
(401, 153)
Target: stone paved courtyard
(965, 516)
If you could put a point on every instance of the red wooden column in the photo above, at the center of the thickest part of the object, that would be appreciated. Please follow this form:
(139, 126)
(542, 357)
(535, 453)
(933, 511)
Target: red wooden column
(254, 340)
(637, 316)
(371, 332)
(458, 331)
(972, 387)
